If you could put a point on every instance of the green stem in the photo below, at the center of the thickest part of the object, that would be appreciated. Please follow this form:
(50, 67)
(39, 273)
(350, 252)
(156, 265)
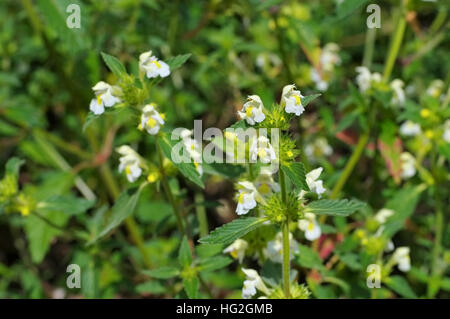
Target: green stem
(395, 46)
(439, 229)
(169, 194)
(369, 47)
(286, 261)
(201, 214)
(350, 165)
(285, 230)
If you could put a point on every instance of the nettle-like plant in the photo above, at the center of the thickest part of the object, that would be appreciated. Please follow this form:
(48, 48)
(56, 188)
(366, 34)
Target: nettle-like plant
(275, 209)
(274, 192)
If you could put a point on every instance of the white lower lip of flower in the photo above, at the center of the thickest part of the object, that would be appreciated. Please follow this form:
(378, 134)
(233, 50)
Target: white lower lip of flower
(246, 202)
(294, 106)
(154, 68)
(315, 185)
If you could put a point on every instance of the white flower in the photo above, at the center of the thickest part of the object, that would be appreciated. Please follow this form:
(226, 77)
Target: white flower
(318, 148)
(315, 185)
(246, 198)
(446, 135)
(252, 110)
(264, 182)
(151, 120)
(435, 88)
(261, 147)
(383, 214)
(274, 250)
(310, 226)
(193, 148)
(252, 282)
(410, 128)
(329, 57)
(152, 66)
(364, 79)
(292, 100)
(237, 249)
(402, 259)
(389, 246)
(399, 94)
(408, 165)
(321, 84)
(129, 162)
(104, 97)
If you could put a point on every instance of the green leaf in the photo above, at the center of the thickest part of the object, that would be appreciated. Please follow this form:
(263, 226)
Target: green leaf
(8, 129)
(309, 98)
(162, 273)
(67, 204)
(123, 207)
(177, 61)
(13, 166)
(309, 258)
(152, 287)
(184, 254)
(224, 169)
(187, 169)
(191, 287)
(348, 6)
(55, 16)
(444, 149)
(342, 207)
(114, 65)
(40, 234)
(297, 174)
(403, 203)
(228, 233)
(400, 286)
(214, 263)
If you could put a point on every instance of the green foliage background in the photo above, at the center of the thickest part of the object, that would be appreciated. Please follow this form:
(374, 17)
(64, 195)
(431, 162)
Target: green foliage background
(237, 48)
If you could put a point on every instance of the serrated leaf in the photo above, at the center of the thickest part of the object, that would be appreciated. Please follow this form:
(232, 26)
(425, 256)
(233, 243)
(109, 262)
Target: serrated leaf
(185, 254)
(177, 61)
(191, 287)
(123, 207)
(114, 65)
(214, 263)
(187, 169)
(309, 98)
(297, 175)
(228, 233)
(162, 273)
(341, 207)
(400, 286)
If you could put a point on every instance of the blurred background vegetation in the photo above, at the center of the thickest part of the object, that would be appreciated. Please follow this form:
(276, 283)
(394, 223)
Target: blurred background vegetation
(238, 48)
